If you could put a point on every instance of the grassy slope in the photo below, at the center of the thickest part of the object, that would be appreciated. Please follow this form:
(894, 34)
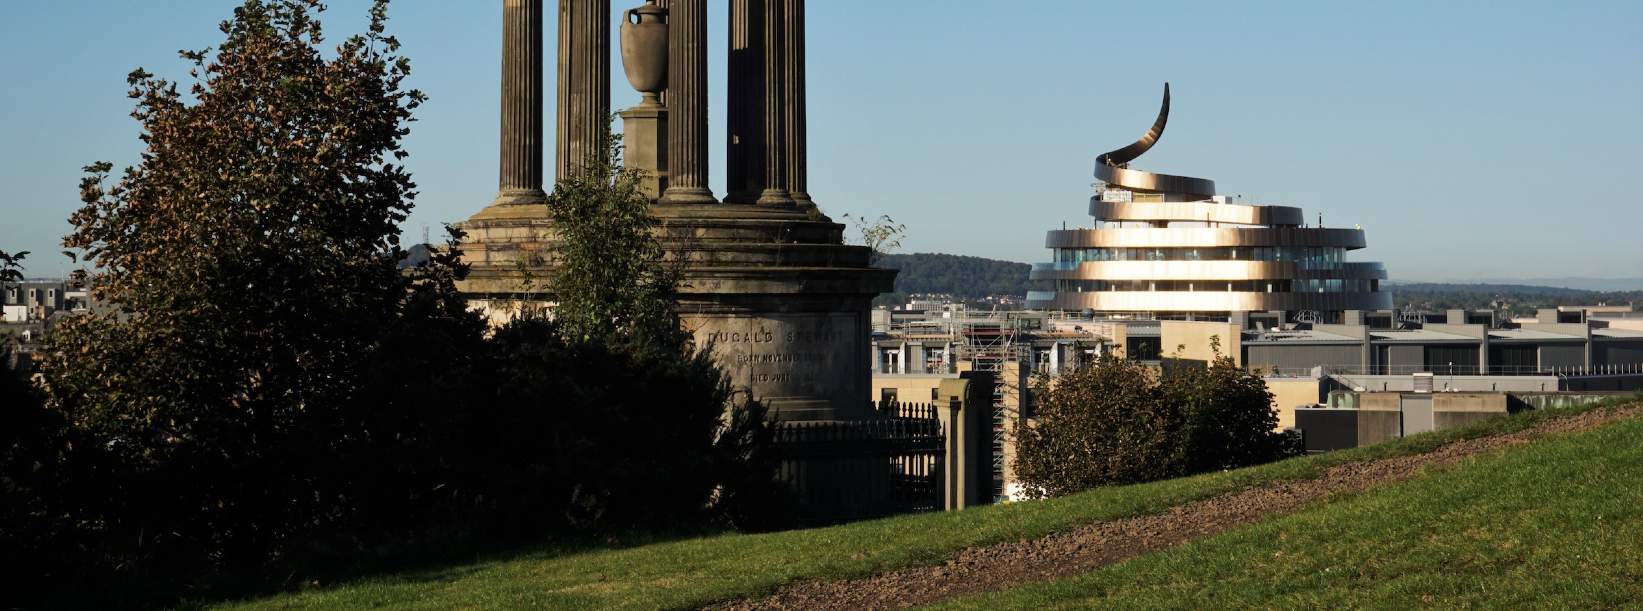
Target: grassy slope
(698, 571)
(1555, 524)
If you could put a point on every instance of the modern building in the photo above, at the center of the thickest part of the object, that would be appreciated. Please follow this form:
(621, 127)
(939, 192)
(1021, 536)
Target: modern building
(38, 299)
(1168, 246)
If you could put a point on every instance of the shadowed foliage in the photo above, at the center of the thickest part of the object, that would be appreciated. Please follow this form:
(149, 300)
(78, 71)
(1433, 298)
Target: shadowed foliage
(1119, 422)
(270, 400)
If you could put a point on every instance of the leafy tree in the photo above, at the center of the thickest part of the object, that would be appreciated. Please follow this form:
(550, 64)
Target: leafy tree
(610, 282)
(638, 426)
(1226, 412)
(1119, 422)
(251, 256)
(1099, 425)
(11, 268)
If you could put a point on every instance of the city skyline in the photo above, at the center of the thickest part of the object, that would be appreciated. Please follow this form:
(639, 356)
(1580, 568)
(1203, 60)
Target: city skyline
(978, 126)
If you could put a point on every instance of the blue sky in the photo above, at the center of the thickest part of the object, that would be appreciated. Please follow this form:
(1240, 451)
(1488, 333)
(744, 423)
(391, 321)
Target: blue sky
(1470, 139)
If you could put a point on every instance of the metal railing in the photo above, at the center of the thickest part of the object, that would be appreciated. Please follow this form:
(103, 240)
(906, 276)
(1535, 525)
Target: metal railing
(1446, 369)
(857, 469)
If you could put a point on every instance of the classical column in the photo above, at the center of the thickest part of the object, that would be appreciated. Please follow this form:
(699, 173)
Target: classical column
(520, 181)
(687, 104)
(773, 156)
(584, 84)
(798, 172)
(742, 107)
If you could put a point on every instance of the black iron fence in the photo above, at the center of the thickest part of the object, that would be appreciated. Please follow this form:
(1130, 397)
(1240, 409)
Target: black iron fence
(857, 469)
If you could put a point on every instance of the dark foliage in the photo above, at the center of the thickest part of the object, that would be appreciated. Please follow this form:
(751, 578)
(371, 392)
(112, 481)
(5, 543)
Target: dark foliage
(1119, 422)
(275, 401)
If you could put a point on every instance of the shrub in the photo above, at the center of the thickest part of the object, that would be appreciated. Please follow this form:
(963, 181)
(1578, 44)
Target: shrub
(1119, 422)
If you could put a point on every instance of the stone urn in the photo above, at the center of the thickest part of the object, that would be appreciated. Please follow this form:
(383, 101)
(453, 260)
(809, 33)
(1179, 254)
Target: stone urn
(644, 50)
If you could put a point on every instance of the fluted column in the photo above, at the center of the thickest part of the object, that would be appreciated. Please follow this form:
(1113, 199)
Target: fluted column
(584, 84)
(520, 180)
(687, 104)
(742, 107)
(798, 172)
(773, 155)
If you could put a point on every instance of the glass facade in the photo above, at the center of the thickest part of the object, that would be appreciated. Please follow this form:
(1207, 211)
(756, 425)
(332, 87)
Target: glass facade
(1297, 254)
(1299, 285)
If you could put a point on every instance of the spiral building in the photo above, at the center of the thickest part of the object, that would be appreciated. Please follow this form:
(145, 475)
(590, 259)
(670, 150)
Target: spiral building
(1167, 246)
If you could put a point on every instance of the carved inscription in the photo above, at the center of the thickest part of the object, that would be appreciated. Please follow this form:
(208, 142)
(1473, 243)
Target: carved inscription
(798, 359)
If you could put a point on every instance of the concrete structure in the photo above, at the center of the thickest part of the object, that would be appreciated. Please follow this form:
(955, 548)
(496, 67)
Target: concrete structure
(767, 283)
(1168, 246)
(38, 299)
(1352, 419)
(1373, 356)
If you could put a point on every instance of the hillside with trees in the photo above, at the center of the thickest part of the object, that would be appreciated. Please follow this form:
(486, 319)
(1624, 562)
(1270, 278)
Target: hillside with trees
(1517, 299)
(965, 278)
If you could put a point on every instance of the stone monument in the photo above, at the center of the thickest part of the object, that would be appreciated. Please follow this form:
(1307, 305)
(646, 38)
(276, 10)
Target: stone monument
(768, 282)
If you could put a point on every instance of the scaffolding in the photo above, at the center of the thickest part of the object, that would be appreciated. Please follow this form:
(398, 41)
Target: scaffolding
(988, 343)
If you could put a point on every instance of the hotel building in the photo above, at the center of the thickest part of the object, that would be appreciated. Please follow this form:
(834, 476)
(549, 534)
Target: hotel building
(1169, 247)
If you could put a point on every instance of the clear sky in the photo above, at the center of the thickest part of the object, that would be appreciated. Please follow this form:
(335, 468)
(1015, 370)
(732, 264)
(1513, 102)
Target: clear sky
(1471, 139)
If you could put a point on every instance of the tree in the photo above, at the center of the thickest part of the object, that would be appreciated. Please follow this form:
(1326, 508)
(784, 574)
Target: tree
(251, 256)
(1119, 422)
(11, 268)
(1227, 414)
(1098, 425)
(637, 426)
(611, 282)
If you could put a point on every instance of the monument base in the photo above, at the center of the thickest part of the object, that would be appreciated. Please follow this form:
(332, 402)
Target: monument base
(774, 293)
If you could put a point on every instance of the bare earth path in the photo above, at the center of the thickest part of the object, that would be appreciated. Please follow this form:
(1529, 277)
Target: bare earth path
(1006, 565)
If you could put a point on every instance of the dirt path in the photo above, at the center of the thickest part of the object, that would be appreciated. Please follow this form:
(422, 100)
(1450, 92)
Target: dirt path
(1006, 565)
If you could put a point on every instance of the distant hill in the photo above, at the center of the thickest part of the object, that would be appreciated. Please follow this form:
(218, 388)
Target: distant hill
(1516, 298)
(966, 278)
(1588, 284)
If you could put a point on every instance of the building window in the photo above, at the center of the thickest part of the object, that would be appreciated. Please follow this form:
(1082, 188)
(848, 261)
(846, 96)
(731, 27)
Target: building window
(890, 361)
(887, 396)
(935, 360)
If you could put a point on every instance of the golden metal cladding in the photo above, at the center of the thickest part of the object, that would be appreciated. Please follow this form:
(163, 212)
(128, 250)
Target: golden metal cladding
(1113, 167)
(1199, 237)
(1201, 188)
(1211, 271)
(1127, 154)
(1211, 301)
(1211, 212)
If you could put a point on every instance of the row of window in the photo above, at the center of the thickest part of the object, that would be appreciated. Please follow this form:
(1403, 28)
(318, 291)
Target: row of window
(1302, 285)
(1301, 254)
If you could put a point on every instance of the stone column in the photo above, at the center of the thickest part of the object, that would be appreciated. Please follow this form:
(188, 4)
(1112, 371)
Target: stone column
(742, 107)
(584, 84)
(773, 156)
(520, 181)
(687, 104)
(798, 172)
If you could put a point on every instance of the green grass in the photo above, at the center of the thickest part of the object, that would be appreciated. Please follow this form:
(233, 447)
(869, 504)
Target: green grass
(703, 570)
(1556, 524)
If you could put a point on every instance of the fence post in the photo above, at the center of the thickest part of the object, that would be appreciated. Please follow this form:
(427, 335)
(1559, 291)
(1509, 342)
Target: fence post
(959, 481)
(949, 414)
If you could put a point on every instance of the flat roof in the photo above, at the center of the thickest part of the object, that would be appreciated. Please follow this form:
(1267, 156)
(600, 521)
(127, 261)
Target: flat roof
(1530, 334)
(1618, 333)
(1418, 335)
(1299, 335)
